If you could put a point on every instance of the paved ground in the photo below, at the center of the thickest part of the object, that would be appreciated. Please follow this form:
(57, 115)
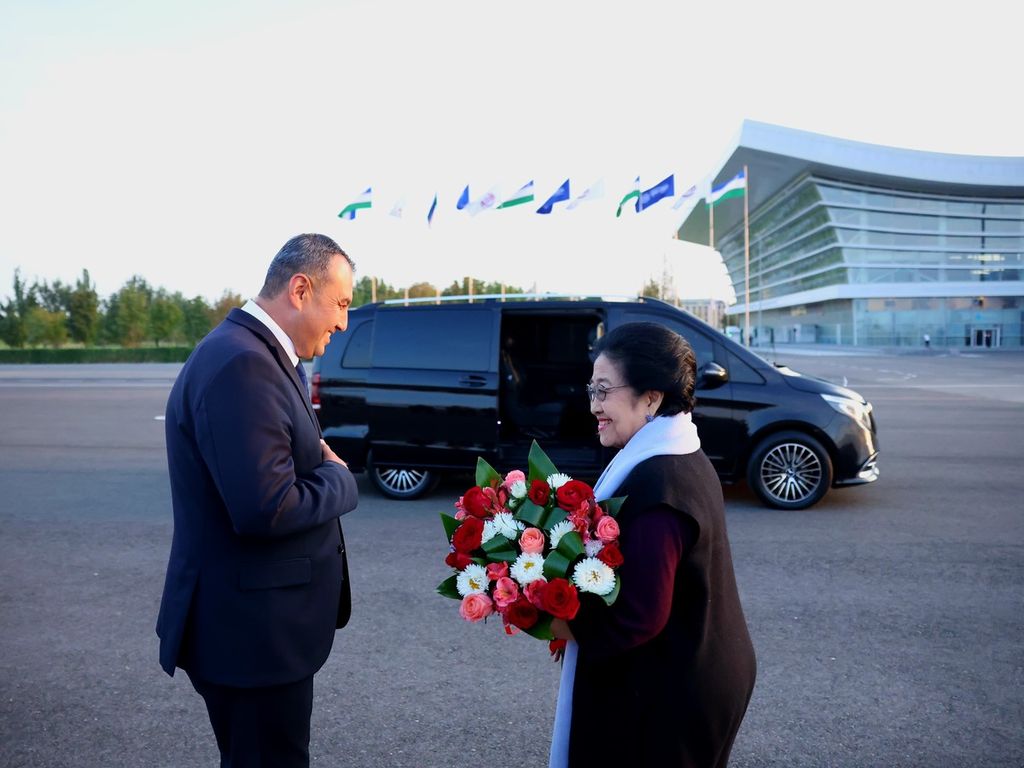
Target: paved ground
(888, 620)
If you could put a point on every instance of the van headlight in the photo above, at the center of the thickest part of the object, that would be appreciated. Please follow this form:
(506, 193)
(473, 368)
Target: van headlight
(856, 410)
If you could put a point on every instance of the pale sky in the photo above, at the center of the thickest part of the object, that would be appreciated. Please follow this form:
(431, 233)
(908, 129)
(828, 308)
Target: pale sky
(186, 141)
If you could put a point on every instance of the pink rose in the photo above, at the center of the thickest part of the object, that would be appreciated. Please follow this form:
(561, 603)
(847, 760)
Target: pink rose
(607, 529)
(476, 607)
(496, 571)
(534, 592)
(532, 541)
(513, 477)
(506, 592)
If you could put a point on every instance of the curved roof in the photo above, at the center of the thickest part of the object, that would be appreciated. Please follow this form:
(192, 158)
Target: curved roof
(774, 156)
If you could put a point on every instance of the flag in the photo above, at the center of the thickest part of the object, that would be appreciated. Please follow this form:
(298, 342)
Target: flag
(433, 207)
(524, 195)
(463, 199)
(664, 188)
(363, 201)
(487, 201)
(683, 197)
(562, 193)
(397, 208)
(592, 192)
(633, 195)
(734, 187)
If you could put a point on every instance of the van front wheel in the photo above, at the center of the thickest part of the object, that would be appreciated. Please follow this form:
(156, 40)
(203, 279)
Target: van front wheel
(403, 482)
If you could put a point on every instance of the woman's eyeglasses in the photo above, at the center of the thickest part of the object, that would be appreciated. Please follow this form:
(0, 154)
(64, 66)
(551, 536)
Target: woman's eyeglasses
(600, 393)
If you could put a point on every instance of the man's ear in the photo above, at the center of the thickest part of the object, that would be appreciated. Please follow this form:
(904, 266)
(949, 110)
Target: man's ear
(299, 289)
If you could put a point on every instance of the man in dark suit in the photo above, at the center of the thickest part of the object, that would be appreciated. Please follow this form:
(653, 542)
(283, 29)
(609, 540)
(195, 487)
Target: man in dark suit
(257, 580)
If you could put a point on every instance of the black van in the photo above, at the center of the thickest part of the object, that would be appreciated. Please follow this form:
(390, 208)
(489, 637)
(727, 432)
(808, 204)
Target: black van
(416, 389)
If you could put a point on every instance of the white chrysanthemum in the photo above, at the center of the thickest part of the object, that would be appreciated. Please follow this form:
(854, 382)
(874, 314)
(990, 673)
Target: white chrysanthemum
(591, 575)
(473, 580)
(490, 531)
(593, 547)
(527, 568)
(556, 481)
(507, 526)
(518, 489)
(558, 531)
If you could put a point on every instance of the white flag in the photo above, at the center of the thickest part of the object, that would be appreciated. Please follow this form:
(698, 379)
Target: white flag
(593, 192)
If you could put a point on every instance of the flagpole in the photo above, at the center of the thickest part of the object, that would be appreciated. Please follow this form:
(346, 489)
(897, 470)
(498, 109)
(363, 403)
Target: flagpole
(711, 220)
(746, 253)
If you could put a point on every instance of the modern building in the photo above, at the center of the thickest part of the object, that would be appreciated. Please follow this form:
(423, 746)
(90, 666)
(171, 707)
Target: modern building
(861, 244)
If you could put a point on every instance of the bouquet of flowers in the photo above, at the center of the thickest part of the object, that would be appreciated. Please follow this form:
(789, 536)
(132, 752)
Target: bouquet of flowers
(526, 546)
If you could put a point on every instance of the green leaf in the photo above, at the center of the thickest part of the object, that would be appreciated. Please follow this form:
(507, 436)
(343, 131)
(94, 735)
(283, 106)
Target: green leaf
(450, 524)
(556, 516)
(542, 629)
(571, 546)
(556, 565)
(500, 548)
(541, 467)
(530, 513)
(610, 597)
(505, 555)
(447, 588)
(486, 475)
(612, 506)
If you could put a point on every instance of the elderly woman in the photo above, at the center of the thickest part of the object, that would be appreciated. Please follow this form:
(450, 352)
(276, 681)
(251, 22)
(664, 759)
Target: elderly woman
(664, 675)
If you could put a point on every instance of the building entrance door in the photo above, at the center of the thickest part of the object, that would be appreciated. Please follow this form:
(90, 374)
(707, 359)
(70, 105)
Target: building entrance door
(984, 336)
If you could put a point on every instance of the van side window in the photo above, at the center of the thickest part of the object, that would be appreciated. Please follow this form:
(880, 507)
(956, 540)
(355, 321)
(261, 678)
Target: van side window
(434, 339)
(358, 353)
(740, 372)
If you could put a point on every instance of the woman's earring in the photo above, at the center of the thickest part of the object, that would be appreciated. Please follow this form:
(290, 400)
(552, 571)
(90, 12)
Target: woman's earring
(649, 418)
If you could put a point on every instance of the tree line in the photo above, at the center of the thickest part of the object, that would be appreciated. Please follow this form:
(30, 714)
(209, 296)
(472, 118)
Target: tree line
(138, 314)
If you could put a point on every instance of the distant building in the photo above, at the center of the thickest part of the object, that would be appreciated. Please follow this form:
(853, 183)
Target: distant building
(854, 243)
(711, 311)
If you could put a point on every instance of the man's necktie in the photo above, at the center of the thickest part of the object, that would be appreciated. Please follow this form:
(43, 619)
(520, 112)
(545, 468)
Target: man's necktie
(302, 376)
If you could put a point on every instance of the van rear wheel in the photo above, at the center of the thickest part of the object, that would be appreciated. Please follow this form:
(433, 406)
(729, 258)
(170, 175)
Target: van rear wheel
(403, 482)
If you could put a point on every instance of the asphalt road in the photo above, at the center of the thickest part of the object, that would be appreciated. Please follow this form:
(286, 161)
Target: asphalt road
(888, 620)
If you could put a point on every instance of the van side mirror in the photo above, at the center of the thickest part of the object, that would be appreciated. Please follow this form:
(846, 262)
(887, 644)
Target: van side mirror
(711, 375)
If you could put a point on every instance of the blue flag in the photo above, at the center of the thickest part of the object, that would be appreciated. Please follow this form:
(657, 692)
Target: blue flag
(562, 193)
(430, 213)
(664, 188)
(463, 199)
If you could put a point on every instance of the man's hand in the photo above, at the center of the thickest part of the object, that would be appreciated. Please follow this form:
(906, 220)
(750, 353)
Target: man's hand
(330, 455)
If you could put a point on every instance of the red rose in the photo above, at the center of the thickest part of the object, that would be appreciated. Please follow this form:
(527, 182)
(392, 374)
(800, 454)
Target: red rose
(574, 495)
(610, 555)
(521, 613)
(539, 492)
(457, 560)
(475, 502)
(468, 536)
(560, 599)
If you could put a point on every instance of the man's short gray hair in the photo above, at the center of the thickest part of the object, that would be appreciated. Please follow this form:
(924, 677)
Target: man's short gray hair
(307, 254)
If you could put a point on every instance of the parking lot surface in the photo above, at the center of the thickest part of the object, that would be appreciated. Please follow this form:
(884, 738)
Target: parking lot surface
(888, 620)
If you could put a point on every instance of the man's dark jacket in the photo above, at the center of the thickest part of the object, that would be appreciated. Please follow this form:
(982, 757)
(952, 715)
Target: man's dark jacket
(257, 580)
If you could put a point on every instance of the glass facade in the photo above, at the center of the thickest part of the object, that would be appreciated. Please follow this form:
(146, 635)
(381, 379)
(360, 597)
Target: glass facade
(819, 232)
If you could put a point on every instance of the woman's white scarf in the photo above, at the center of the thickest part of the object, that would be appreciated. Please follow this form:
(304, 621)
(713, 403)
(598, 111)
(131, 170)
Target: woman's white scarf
(664, 436)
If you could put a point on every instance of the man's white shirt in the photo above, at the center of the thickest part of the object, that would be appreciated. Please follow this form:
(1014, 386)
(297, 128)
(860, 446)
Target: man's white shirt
(260, 314)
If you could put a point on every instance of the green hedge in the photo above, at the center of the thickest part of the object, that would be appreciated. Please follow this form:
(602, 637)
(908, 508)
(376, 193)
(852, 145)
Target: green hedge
(97, 355)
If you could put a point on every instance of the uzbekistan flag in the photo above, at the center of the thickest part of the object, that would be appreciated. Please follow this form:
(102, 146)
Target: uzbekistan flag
(734, 187)
(633, 195)
(664, 188)
(524, 195)
(363, 201)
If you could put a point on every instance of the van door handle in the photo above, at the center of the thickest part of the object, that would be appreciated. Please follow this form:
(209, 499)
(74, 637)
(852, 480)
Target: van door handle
(473, 381)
